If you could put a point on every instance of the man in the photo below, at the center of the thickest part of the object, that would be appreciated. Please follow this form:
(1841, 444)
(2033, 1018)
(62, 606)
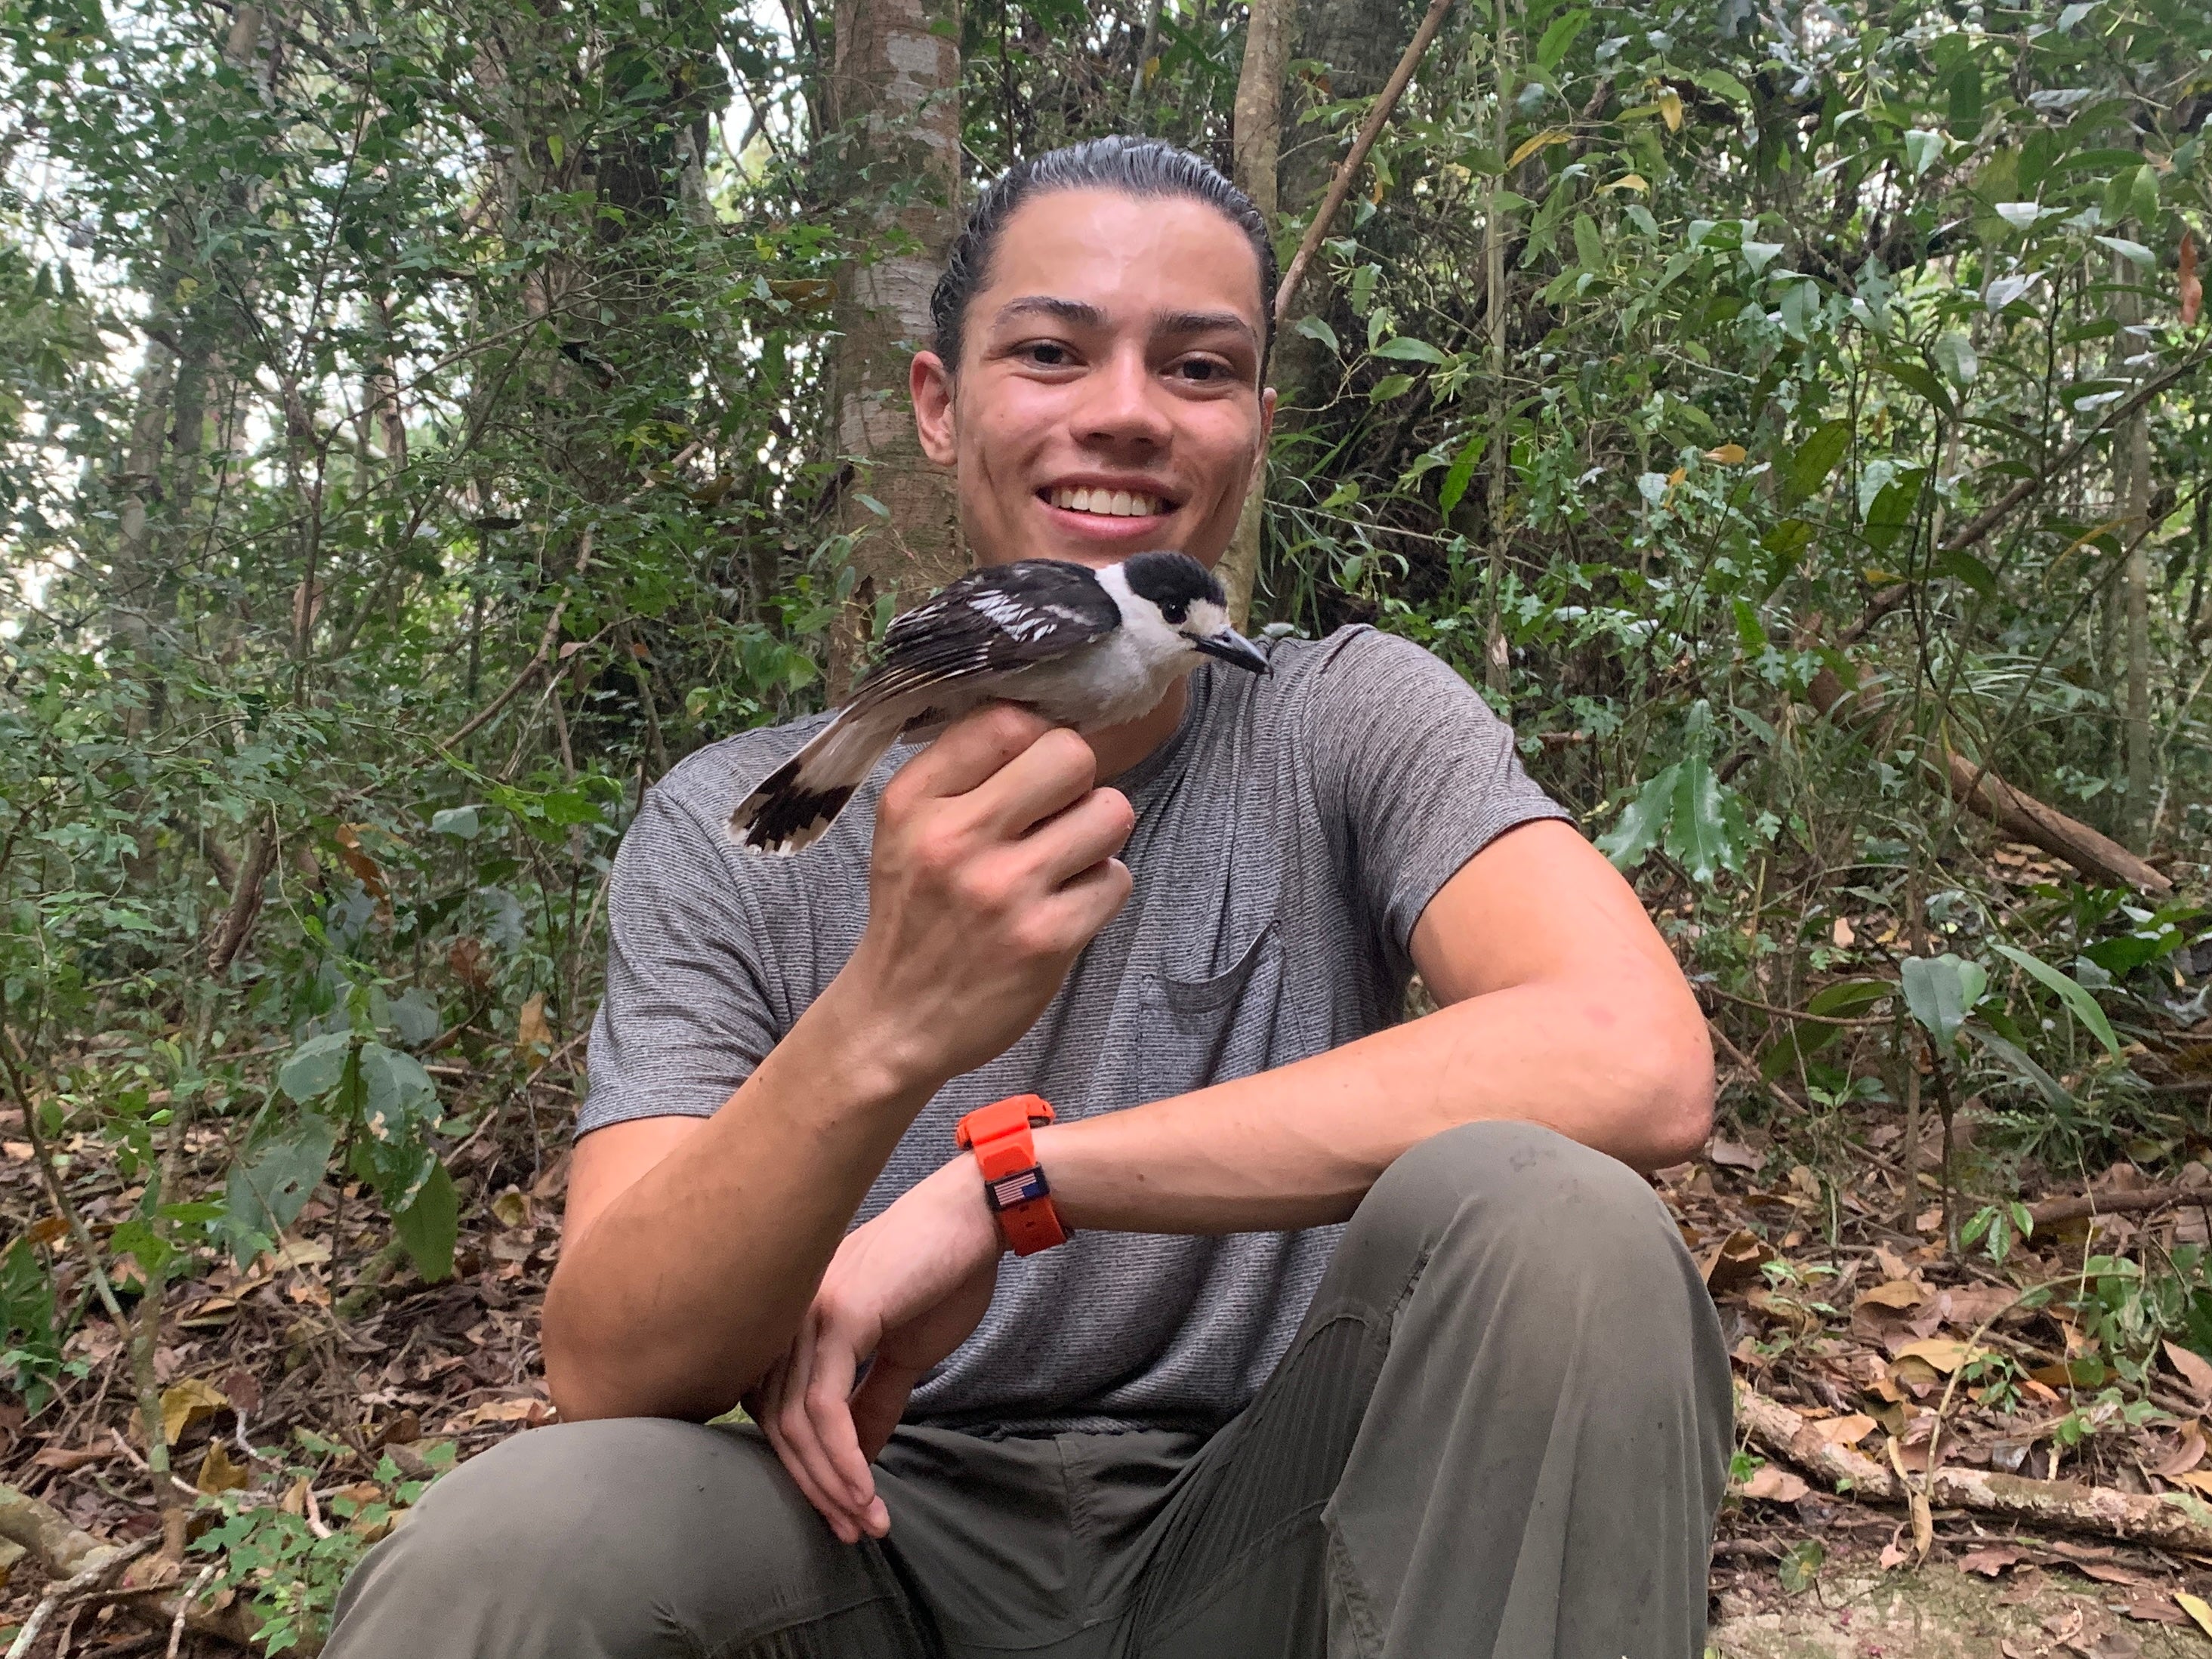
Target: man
(1369, 1341)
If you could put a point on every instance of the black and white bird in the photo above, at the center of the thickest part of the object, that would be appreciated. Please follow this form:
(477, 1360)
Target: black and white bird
(1085, 648)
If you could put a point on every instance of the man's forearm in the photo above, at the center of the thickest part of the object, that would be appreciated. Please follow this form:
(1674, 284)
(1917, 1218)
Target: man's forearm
(675, 1299)
(1623, 1071)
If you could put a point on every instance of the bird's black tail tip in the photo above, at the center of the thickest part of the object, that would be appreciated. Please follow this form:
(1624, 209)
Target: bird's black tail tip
(782, 816)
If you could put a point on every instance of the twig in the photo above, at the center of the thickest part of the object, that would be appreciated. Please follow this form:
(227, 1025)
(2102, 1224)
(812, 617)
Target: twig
(1853, 1021)
(539, 658)
(2053, 1211)
(185, 1607)
(245, 902)
(1348, 169)
(2170, 1519)
(94, 1577)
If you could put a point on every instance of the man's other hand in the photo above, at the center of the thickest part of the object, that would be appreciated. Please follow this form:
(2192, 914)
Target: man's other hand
(900, 1295)
(993, 866)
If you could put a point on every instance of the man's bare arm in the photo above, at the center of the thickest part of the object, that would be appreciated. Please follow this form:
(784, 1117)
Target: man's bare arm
(1563, 1007)
(692, 1250)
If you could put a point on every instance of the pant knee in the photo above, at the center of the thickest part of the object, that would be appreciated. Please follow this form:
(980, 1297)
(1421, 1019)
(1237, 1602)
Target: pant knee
(1523, 1183)
(601, 1537)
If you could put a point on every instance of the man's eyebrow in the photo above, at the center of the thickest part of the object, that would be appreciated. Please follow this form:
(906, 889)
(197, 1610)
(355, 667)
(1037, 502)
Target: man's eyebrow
(1068, 310)
(1204, 322)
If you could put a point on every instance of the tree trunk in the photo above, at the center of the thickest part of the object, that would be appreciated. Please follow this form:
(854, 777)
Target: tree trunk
(894, 91)
(1497, 668)
(1358, 43)
(1259, 139)
(2131, 470)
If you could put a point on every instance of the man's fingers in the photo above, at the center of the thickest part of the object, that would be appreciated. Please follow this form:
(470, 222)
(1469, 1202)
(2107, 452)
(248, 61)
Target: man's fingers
(1052, 772)
(800, 1446)
(831, 1418)
(876, 1407)
(971, 749)
(1089, 832)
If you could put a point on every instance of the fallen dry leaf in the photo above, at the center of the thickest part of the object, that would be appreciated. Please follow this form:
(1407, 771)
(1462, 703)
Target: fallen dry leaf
(2197, 1481)
(2196, 1608)
(2193, 1368)
(1992, 1561)
(1895, 1293)
(218, 1474)
(2107, 1572)
(1843, 935)
(1775, 1484)
(510, 1209)
(1734, 1262)
(1942, 1353)
(2187, 1454)
(20, 1152)
(1732, 1155)
(185, 1402)
(1844, 1431)
(531, 1030)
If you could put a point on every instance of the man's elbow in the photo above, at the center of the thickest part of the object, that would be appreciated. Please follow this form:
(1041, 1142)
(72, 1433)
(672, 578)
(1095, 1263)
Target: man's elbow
(1677, 1089)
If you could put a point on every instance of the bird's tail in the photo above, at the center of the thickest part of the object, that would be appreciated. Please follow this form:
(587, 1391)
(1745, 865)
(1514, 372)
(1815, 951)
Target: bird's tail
(797, 803)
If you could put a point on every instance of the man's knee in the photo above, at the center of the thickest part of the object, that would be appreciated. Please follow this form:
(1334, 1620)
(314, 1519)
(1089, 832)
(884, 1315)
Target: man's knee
(605, 1537)
(1547, 1209)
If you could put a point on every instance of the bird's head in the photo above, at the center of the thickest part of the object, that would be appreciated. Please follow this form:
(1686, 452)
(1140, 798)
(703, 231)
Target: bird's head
(1191, 604)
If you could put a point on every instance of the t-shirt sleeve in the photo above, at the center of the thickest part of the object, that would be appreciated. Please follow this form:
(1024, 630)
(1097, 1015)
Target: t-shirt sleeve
(1416, 771)
(686, 1015)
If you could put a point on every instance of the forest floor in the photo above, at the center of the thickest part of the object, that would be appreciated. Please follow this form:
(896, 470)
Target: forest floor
(301, 1386)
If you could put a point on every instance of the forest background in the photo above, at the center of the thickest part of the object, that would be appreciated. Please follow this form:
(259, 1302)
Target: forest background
(420, 427)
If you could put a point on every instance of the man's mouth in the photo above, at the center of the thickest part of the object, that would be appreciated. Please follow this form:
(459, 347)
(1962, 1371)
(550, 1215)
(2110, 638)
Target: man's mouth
(1110, 503)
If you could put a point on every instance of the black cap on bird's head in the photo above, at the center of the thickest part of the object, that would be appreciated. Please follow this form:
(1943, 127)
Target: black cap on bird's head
(1190, 599)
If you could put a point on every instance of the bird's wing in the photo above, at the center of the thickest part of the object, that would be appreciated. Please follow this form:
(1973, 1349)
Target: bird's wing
(994, 621)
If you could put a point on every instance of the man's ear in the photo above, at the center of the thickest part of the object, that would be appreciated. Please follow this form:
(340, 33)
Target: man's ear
(1266, 432)
(929, 383)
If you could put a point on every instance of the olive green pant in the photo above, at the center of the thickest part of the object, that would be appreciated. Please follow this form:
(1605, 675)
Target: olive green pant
(1502, 1430)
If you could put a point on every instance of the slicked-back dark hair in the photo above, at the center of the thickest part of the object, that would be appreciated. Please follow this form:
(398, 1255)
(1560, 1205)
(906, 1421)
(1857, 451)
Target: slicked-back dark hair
(1143, 168)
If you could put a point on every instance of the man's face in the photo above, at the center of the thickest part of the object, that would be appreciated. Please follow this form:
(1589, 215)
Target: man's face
(1108, 399)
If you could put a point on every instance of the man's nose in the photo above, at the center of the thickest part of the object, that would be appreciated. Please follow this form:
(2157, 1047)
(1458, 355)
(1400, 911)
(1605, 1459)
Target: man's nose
(1124, 405)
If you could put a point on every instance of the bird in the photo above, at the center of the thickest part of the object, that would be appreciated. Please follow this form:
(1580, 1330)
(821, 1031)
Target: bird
(1085, 648)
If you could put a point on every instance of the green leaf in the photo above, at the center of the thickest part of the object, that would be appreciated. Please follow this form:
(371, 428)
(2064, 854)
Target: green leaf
(430, 1225)
(2134, 252)
(1941, 991)
(416, 1017)
(458, 822)
(1893, 510)
(1390, 385)
(1725, 85)
(1559, 39)
(1816, 458)
(2070, 992)
(1705, 828)
(1954, 355)
(267, 1189)
(1965, 93)
(1848, 997)
(1642, 822)
(1461, 472)
(1965, 568)
(1920, 380)
(1924, 149)
(2142, 199)
(1405, 349)
(1589, 246)
(1315, 328)
(1759, 255)
(2015, 1059)
(316, 1066)
(1748, 631)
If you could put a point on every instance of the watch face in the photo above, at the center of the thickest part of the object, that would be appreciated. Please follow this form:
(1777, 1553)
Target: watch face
(1023, 1187)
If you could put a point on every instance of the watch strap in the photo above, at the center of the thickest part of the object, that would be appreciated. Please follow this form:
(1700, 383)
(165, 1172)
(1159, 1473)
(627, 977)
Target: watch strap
(1001, 1138)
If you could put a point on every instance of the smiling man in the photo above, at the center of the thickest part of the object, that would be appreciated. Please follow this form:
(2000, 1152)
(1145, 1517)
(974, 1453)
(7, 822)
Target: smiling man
(1368, 1340)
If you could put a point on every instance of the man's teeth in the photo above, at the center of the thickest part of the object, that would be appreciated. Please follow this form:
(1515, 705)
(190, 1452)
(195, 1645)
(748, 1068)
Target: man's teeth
(1110, 503)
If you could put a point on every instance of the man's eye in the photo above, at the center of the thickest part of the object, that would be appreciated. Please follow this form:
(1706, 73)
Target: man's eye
(1045, 354)
(1201, 371)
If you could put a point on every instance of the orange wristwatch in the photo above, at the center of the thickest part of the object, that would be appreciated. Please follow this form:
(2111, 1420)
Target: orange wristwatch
(1014, 1185)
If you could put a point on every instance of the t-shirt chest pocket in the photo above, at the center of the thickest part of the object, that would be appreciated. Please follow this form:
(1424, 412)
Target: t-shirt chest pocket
(1197, 1032)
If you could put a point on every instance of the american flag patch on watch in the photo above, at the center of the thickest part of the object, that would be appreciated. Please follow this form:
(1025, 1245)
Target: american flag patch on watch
(1018, 1189)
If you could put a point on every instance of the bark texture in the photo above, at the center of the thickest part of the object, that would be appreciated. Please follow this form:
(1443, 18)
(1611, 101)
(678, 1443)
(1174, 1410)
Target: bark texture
(893, 89)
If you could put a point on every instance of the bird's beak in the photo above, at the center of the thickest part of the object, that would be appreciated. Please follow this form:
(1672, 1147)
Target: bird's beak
(1230, 646)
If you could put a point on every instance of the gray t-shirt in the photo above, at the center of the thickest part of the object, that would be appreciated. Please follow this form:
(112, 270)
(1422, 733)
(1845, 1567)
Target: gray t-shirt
(1288, 837)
